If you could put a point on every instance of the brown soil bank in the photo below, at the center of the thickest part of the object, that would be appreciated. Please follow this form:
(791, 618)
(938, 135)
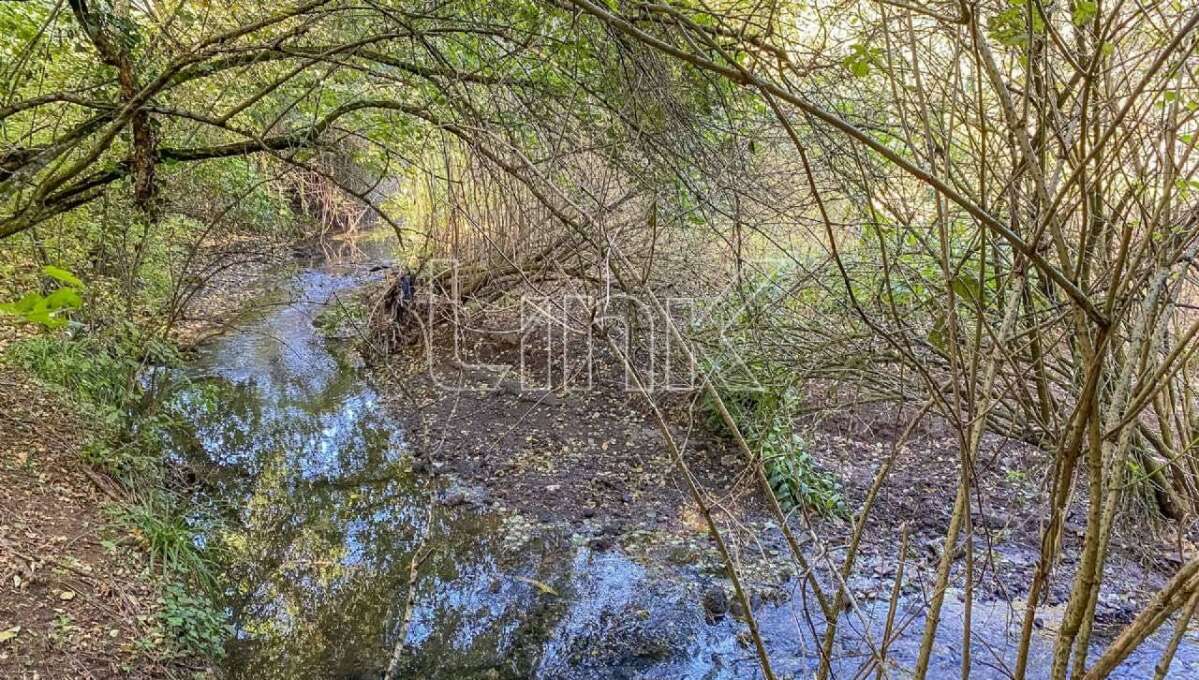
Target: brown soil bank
(74, 602)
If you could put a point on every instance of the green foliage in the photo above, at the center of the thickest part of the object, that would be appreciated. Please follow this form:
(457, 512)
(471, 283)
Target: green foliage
(251, 200)
(1010, 27)
(195, 623)
(1084, 12)
(64, 276)
(105, 380)
(19, 22)
(795, 478)
(98, 379)
(49, 310)
(758, 391)
(861, 58)
(916, 283)
(100, 376)
(98, 372)
(168, 537)
(343, 319)
(765, 416)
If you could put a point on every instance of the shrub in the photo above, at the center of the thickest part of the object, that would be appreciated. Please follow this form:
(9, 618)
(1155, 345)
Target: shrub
(196, 624)
(759, 392)
(765, 416)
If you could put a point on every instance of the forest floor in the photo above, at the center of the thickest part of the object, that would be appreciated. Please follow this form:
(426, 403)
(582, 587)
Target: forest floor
(75, 601)
(593, 462)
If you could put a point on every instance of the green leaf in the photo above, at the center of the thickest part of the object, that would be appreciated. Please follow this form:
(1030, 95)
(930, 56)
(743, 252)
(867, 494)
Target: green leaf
(1010, 27)
(861, 58)
(22, 306)
(967, 287)
(34, 308)
(42, 317)
(60, 274)
(939, 335)
(64, 298)
(1084, 12)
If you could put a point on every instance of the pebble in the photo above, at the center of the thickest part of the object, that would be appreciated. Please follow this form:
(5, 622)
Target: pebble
(715, 602)
(602, 544)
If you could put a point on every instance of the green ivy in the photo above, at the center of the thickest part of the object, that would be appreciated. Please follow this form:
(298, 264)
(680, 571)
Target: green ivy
(195, 623)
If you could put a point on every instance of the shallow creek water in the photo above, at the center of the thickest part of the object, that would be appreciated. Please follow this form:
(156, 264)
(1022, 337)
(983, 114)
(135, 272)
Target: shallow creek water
(323, 517)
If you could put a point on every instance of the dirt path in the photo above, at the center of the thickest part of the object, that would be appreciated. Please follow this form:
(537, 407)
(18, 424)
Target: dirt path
(74, 599)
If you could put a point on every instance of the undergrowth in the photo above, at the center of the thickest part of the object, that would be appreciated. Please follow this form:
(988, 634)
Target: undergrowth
(763, 400)
(105, 378)
(765, 417)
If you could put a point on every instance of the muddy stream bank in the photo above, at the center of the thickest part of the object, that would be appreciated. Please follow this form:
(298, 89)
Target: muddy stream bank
(324, 514)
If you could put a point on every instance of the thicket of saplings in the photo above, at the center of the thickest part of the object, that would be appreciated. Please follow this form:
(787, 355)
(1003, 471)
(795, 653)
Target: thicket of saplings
(979, 213)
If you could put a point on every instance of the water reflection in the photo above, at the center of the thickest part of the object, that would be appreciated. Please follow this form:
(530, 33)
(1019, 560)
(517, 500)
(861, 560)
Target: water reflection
(323, 515)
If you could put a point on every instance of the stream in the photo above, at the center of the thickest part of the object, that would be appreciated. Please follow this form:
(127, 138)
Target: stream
(323, 517)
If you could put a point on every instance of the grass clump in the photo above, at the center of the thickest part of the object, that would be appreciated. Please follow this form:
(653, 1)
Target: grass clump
(101, 375)
(97, 379)
(168, 537)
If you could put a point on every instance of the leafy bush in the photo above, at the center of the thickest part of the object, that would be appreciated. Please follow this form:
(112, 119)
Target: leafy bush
(196, 625)
(98, 372)
(795, 478)
(759, 392)
(764, 414)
